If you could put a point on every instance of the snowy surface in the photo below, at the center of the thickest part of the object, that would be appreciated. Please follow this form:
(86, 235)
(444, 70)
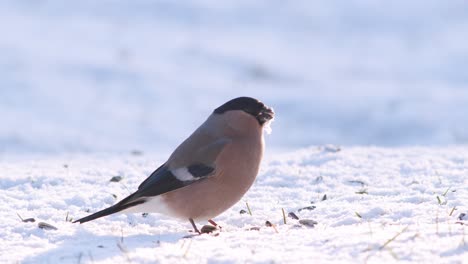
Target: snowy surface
(412, 191)
(85, 75)
(91, 89)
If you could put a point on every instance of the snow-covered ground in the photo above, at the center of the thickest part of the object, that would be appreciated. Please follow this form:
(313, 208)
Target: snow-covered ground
(91, 89)
(380, 205)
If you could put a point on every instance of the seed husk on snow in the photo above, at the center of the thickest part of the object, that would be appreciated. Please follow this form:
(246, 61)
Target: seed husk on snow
(310, 208)
(116, 179)
(363, 191)
(462, 216)
(27, 220)
(308, 222)
(242, 211)
(46, 226)
(293, 216)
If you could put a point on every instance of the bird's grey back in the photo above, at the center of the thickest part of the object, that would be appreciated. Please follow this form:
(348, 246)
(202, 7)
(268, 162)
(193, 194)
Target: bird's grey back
(203, 146)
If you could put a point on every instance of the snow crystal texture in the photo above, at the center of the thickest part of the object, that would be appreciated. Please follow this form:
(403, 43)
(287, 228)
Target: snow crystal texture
(370, 205)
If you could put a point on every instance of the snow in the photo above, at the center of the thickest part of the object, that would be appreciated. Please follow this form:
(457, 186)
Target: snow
(370, 98)
(372, 194)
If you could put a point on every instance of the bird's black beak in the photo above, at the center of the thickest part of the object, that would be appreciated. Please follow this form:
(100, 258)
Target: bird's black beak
(265, 115)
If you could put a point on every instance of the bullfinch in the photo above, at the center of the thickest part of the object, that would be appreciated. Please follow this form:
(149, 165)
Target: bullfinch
(209, 172)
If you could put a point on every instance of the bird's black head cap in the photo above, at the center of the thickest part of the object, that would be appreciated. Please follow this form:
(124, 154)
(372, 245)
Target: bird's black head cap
(249, 105)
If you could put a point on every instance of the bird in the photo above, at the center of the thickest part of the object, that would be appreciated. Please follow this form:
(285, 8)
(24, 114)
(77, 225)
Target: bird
(208, 172)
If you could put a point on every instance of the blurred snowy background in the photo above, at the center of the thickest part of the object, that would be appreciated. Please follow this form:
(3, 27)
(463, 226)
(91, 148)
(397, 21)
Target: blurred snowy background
(100, 76)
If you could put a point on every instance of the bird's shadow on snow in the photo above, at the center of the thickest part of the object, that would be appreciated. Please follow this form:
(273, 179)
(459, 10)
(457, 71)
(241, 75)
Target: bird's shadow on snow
(86, 247)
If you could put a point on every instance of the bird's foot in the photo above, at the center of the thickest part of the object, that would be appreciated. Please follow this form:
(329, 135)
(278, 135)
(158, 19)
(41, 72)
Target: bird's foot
(206, 229)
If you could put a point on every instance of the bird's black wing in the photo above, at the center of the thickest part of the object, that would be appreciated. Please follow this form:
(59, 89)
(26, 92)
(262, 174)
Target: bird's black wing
(161, 181)
(164, 180)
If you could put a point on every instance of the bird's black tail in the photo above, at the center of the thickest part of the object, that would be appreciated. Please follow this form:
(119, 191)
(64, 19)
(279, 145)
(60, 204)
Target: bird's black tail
(99, 214)
(122, 205)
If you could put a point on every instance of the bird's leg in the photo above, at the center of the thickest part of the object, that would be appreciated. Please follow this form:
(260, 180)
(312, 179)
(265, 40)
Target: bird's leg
(214, 223)
(194, 226)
